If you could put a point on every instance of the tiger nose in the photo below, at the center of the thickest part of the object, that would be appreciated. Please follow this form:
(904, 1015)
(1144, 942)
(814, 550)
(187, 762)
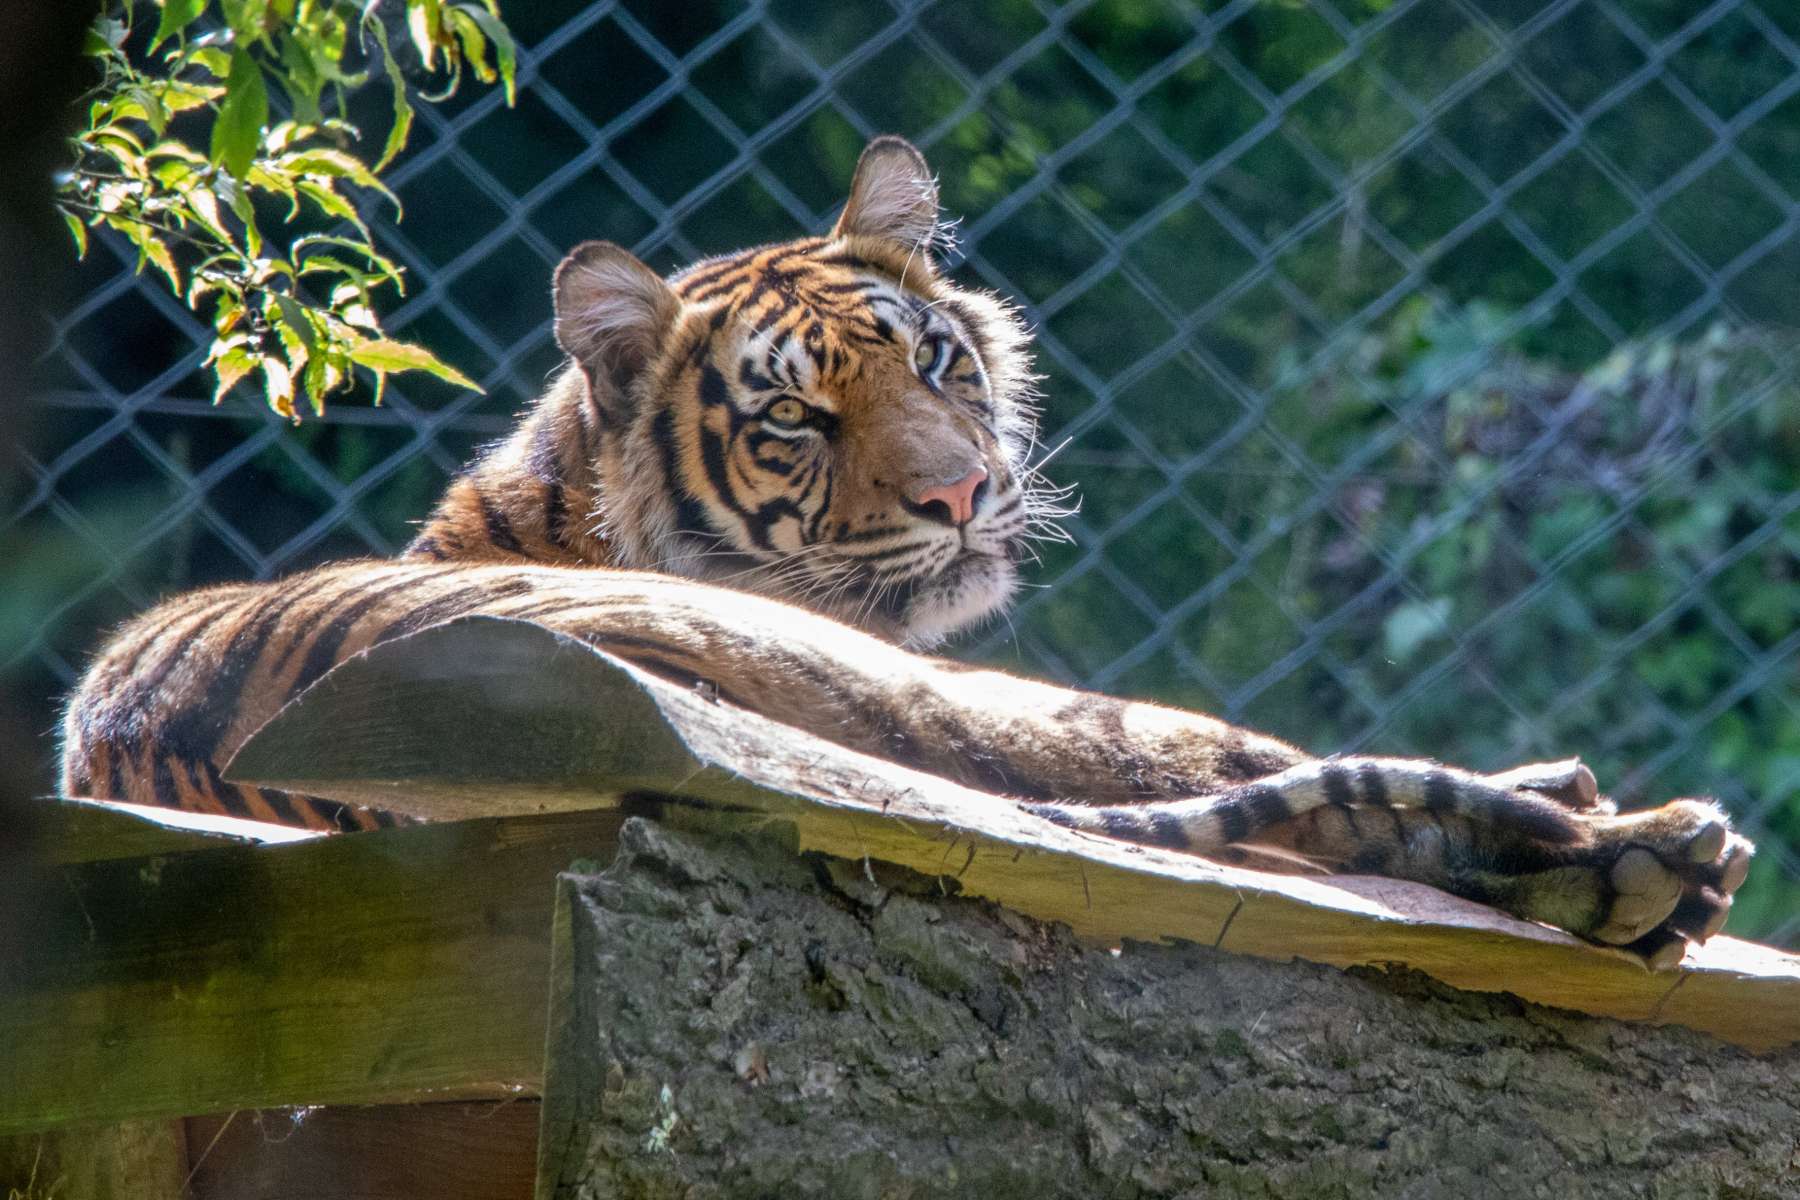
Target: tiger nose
(957, 499)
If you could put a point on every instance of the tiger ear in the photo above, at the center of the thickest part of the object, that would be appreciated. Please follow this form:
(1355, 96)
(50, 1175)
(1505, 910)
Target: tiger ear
(893, 196)
(612, 314)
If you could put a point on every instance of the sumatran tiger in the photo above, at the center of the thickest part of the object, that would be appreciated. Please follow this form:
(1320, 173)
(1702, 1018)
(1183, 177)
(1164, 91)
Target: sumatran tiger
(786, 470)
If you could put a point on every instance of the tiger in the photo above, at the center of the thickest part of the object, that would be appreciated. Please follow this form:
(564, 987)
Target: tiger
(785, 474)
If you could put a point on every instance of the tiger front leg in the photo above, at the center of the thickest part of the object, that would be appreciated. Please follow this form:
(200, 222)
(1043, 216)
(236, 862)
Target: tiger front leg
(1538, 842)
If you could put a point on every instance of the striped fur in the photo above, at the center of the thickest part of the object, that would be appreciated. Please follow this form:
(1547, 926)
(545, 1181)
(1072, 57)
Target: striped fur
(779, 472)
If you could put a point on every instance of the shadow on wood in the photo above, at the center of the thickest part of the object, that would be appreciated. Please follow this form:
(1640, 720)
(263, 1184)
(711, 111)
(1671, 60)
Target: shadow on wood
(388, 1152)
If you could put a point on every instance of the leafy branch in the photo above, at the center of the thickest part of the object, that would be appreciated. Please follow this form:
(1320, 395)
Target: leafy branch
(291, 291)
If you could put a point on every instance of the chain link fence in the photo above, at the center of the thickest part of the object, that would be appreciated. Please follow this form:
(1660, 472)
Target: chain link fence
(1424, 365)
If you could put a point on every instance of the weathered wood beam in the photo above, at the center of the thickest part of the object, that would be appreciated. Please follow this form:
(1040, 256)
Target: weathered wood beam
(487, 715)
(77, 830)
(406, 964)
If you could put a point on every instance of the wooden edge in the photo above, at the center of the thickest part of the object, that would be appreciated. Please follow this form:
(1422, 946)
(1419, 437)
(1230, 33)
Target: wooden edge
(74, 829)
(559, 1113)
(407, 692)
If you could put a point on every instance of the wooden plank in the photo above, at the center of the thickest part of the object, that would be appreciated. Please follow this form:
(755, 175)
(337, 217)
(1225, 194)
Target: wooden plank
(75, 829)
(513, 680)
(479, 1151)
(134, 1160)
(397, 965)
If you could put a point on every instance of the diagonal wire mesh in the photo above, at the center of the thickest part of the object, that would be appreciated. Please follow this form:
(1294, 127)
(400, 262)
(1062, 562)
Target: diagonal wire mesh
(1425, 366)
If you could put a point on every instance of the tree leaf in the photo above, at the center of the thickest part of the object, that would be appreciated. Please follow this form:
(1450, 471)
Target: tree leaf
(158, 252)
(1412, 624)
(245, 18)
(179, 95)
(104, 35)
(296, 318)
(237, 130)
(142, 103)
(335, 164)
(230, 366)
(474, 43)
(383, 354)
(423, 19)
(333, 204)
(278, 385)
(403, 112)
(315, 382)
(381, 264)
(214, 59)
(204, 207)
(78, 231)
(506, 53)
(303, 81)
(176, 16)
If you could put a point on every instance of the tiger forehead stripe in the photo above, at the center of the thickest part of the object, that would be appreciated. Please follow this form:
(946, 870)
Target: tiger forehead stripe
(720, 276)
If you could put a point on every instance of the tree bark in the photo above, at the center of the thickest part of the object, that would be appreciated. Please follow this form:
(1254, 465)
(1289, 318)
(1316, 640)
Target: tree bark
(739, 1019)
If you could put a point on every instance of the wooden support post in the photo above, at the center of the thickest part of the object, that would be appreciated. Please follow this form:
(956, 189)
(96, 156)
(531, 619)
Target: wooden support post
(739, 1021)
(407, 964)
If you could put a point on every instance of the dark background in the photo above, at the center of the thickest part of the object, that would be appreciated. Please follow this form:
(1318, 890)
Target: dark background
(1427, 369)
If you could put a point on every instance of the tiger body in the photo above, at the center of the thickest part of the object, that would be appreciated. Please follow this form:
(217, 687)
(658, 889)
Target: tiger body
(779, 474)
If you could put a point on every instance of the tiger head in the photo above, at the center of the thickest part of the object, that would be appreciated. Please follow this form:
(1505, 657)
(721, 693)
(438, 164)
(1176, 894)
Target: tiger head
(828, 420)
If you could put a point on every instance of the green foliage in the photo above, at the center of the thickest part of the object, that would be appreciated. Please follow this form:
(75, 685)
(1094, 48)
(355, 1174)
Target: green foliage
(292, 294)
(1505, 559)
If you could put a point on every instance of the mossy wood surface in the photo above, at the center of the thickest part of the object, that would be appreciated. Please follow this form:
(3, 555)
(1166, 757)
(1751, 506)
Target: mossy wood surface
(406, 964)
(736, 1020)
(486, 715)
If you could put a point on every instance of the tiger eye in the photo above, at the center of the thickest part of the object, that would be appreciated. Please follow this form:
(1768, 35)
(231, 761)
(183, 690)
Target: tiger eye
(925, 354)
(786, 412)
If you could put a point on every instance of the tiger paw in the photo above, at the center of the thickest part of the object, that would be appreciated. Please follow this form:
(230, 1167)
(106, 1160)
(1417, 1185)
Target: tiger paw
(1649, 882)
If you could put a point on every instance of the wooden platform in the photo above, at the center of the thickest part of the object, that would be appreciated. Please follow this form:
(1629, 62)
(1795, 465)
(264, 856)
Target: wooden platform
(173, 968)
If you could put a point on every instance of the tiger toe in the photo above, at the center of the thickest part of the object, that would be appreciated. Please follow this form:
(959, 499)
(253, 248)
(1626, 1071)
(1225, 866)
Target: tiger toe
(1661, 949)
(1732, 867)
(1644, 893)
(1569, 782)
(1700, 913)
